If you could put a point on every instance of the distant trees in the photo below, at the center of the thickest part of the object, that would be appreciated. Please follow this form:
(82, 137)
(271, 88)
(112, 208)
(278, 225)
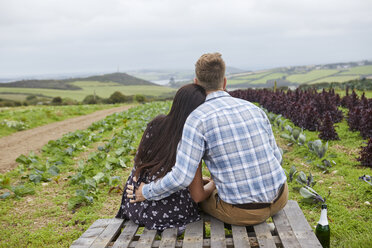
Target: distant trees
(140, 98)
(56, 101)
(8, 103)
(117, 97)
(30, 97)
(114, 98)
(92, 99)
(63, 101)
(29, 100)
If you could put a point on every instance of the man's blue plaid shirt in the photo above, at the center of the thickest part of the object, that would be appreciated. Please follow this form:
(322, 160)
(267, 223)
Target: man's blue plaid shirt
(235, 139)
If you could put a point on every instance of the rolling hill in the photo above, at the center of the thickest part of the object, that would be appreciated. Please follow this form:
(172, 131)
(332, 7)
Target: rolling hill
(284, 76)
(79, 88)
(104, 85)
(299, 75)
(66, 84)
(173, 78)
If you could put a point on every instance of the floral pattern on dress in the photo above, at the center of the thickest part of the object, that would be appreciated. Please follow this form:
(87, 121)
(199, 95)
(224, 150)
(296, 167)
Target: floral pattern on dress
(176, 210)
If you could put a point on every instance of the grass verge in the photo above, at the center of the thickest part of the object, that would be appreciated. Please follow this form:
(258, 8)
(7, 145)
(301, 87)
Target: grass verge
(15, 119)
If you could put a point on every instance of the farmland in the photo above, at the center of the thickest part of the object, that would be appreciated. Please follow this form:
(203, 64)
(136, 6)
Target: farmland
(244, 78)
(14, 97)
(104, 85)
(311, 76)
(337, 78)
(298, 75)
(78, 88)
(89, 88)
(22, 118)
(265, 78)
(47, 209)
(66, 187)
(358, 70)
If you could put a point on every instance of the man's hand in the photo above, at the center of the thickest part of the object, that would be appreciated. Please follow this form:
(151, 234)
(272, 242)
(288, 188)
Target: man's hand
(135, 195)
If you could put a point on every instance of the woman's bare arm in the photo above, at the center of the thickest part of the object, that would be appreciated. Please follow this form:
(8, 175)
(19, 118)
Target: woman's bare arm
(198, 191)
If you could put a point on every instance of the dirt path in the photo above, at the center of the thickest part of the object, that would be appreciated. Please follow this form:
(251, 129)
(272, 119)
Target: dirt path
(33, 139)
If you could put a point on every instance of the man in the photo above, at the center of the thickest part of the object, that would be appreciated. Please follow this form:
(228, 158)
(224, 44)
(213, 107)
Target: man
(235, 139)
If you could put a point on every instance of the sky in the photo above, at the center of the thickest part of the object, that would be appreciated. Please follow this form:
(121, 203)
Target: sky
(84, 36)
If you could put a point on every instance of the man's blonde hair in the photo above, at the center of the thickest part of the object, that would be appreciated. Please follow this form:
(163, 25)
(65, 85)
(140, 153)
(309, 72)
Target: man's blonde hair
(210, 71)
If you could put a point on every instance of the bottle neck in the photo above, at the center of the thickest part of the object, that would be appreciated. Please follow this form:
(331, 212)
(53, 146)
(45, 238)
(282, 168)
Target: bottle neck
(323, 218)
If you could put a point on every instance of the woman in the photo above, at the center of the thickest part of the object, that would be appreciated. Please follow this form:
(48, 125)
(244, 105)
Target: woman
(156, 155)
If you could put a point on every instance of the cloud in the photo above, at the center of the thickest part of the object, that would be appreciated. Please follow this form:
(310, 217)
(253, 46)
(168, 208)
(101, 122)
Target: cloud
(60, 36)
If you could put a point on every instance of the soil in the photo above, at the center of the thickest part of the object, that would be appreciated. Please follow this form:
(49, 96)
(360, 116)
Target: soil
(34, 139)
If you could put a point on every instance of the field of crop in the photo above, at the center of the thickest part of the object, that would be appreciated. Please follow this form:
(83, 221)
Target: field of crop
(314, 76)
(21, 118)
(271, 76)
(367, 69)
(163, 75)
(236, 81)
(13, 97)
(310, 76)
(329, 167)
(335, 79)
(349, 210)
(88, 88)
(76, 171)
(255, 78)
(249, 75)
(52, 198)
(94, 84)
(254, 75)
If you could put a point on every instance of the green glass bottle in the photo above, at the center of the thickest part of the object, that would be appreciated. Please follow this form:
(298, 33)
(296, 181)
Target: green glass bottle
(322, 230)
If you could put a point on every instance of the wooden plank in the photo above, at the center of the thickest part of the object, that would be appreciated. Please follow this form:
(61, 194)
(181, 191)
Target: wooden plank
(169, 238)
(291, 225)
(300, 226)
(101, 223)
(88, 237)
(108, 234)
(240, 236)
(126, 235)
(217, 233)
(285, 231)
(194, 235)
(146, 239)
(82, 243)
(207, 243)
(263, 234)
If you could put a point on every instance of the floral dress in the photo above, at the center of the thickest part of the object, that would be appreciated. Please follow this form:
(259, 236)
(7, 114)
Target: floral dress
(176, 210)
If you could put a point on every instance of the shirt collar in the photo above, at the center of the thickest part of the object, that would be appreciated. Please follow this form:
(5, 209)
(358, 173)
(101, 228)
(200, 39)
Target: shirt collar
(216, 94)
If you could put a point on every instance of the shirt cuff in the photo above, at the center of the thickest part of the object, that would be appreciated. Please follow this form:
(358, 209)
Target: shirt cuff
(146, 191)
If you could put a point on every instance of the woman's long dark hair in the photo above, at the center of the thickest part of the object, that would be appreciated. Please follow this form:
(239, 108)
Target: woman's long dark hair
(158, 147)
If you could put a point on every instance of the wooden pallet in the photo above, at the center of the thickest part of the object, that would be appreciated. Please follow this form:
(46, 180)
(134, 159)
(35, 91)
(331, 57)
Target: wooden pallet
(291, 230)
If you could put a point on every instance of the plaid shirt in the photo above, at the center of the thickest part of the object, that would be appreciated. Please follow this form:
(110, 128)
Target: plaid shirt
(234, 138)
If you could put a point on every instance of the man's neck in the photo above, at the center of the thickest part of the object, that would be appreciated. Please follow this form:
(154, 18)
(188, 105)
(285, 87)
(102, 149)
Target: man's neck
(211, 91)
